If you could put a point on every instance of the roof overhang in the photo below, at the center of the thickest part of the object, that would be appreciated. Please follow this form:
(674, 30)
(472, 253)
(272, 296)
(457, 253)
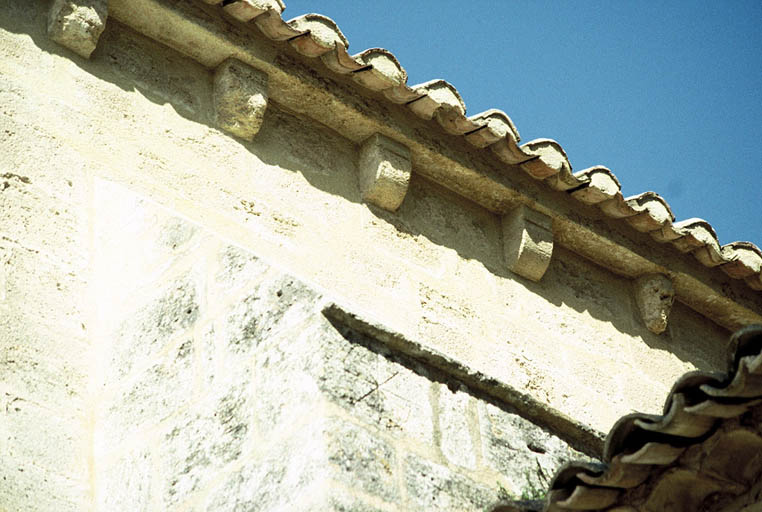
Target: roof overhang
(310, 72)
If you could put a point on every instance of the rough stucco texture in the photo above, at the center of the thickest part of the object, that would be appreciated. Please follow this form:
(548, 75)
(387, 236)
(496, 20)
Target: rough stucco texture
(142, 116)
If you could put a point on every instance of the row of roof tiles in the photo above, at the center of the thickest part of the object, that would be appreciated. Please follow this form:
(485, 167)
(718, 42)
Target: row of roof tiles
(376, 69)
(704, 451)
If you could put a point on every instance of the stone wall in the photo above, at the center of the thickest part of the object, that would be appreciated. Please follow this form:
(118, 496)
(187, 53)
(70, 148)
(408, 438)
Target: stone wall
(128, 334)
(225, 387)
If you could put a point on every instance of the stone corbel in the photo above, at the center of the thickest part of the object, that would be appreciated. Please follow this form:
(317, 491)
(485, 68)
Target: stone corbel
(77, 24)
(527, 242)
(384, 171)
(654, 294)
(240, 98)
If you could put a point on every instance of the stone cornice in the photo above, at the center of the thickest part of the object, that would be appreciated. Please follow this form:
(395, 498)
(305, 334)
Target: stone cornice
(360, 96)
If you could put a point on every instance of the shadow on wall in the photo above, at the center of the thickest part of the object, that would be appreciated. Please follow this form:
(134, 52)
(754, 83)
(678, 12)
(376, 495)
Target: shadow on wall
(139, 65)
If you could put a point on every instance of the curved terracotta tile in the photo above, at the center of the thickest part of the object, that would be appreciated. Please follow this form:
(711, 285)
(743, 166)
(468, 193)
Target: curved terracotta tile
(275, 28)
(247, 10)
(493, 125)
(320, 35)
(550, 158)
(702, 409)
(340, 61)
(436, 94)
(314, 35)
(600, 184)
(744, 259)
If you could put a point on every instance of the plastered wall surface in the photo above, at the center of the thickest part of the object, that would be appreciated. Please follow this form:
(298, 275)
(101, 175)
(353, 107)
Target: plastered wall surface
(139, 115)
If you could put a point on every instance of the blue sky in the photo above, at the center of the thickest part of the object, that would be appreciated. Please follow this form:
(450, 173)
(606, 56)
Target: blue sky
(668, 95)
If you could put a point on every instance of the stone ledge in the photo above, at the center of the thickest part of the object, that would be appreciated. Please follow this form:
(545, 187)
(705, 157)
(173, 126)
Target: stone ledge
(577, 434)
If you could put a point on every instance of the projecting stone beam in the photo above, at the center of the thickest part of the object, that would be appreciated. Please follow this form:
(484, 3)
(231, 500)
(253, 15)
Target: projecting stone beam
(384, 171)
(77, 24)
(240, 98)
(527, 242)
(654, 294)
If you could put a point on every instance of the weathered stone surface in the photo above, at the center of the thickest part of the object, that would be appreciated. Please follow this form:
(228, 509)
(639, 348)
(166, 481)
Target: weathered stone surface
(34, 435)
(152, 132)
(527, 242)
(32, 489)
(144, 333)
(342, 501)
(139, 238)
(457, 427)
(236, 267)
(40, 221)
(384, 171)
(275, 481)
(153, 396)
(199, 443)
(35, 367)
(654, 295)
(527, 455)
(77, 24)
(431, 486)
(240, 98)
(337, 498)
(276, 303)
(362, 460)
(126, 485)
(306, 178)
(279, 409)
(376, 388)
(329, 464)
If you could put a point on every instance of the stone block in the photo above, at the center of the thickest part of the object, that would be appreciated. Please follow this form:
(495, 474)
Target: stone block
(39, 290)
(375, 388)
(654, 294)
(152, 396)
(146, 332)
(137, 239)
(236, 268)
(35, 219)
(36, 365)
(299, 352)
(306, 470)
(340, 499)
(434, 487)
(384, 171)
(33, 435)
(198, 444)
(526, 454)
(362, 460)
(273, 305)
(277, 476)
(77, 24)
(32, 489)
(458, 432)
(280, 409)
(125, 486)
(240, 98)
(527, 242)
(271, 483)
